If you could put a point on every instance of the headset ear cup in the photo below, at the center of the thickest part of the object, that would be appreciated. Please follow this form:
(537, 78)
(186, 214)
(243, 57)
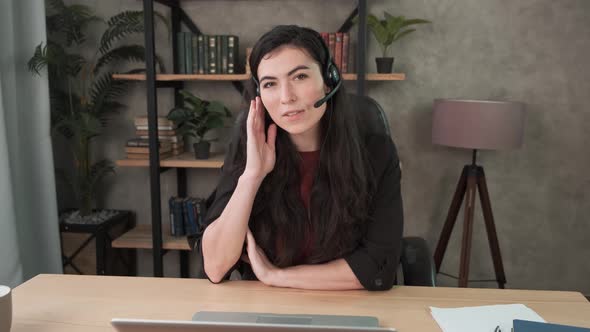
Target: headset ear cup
(257, 85)
(332, 77)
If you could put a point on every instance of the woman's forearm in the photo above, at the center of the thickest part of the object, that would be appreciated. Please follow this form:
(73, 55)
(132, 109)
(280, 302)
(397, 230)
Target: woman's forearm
(334, 275)
(223, 239)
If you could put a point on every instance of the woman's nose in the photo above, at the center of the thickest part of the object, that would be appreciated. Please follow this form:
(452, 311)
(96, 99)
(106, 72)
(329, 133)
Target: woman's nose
(287, 94)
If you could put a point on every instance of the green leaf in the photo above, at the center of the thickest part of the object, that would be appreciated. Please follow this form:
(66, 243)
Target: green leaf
(131, 53)
(60, 64)
(404, 33)
(214, 122)
(104, 90)
(67, 23)
(124, 24)
(180, 114)
(196, 103)
(414, 21)
(216, 107)
(97, 172)
(389, 30)
(378, 30)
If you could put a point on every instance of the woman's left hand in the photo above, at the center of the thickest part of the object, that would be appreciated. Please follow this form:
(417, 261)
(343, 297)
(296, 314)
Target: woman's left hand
(264, 270)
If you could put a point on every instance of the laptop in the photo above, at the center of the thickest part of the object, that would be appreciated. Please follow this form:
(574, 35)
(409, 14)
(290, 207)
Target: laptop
(218, 321)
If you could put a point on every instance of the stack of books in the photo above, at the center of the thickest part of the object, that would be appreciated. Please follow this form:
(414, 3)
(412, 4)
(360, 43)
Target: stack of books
(170, 143)
(207, 54)
(339, 46)
(186, 214)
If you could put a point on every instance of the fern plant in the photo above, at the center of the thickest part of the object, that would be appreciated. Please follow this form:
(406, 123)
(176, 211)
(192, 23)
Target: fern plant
(83, 93)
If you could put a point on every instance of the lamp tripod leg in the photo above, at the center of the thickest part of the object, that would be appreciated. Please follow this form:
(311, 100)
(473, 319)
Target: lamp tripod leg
(445, 234)
(490, 227)
(467, 227)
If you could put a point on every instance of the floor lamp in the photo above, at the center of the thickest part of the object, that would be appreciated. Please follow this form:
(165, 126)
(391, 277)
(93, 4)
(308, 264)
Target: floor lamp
(474, 124)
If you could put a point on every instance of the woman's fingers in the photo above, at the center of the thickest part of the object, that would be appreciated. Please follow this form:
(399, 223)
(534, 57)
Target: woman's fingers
(272, 135)
(250, 120)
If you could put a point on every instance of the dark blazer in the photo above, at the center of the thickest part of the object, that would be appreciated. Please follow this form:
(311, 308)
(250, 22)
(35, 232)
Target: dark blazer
(375, 260)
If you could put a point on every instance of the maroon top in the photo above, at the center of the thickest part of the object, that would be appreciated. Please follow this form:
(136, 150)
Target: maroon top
(309, 164)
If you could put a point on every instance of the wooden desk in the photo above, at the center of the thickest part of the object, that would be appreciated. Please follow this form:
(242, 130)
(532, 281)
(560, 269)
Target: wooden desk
(87, 303)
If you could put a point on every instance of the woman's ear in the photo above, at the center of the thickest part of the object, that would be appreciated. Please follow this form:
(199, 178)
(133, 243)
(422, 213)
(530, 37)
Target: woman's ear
(327, 89)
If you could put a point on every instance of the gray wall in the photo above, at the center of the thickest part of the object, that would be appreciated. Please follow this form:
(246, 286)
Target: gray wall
(534, 51)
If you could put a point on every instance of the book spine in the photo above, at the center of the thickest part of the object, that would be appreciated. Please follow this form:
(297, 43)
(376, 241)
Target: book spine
(171, 211)
(195, 50)
(332, 44)
(201, 56)
(218, 53)
(206, 54)
(212, 56)
(231, 55)
(187, 212)
(224, 54)
(142, 132)
(143, 121)
(188, 53)
(180, 52)
(338, 51)
(345, 51)
(238, 66)
(172, 139)
(145, 127)
(178, 217)
(325, 37)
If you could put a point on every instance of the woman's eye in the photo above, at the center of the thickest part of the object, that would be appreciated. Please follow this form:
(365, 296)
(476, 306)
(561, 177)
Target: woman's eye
(267, 85)
(300, 76)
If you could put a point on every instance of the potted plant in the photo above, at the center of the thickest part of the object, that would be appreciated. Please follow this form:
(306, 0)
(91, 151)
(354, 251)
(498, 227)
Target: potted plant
(196, 118)
(83, 93)
(387, 31)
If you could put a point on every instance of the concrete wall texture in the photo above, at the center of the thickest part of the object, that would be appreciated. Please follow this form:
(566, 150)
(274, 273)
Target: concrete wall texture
(533, 51)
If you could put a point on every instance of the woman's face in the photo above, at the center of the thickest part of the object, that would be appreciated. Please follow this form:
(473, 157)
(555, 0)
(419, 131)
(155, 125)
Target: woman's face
(290, 84)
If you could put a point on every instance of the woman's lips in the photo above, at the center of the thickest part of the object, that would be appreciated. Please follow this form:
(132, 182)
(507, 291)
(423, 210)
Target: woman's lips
(293, 115)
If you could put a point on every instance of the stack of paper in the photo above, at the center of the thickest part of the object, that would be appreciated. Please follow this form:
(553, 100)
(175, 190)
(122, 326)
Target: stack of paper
(482, 318)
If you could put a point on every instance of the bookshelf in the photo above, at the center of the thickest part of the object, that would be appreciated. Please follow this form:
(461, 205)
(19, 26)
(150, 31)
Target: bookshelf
(154, 236)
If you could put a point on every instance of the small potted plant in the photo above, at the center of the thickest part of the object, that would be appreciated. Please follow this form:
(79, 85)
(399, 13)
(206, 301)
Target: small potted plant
(196, 118)
(387, 31)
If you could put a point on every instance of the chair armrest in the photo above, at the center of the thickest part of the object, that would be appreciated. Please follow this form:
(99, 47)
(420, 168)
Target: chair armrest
(417, 263)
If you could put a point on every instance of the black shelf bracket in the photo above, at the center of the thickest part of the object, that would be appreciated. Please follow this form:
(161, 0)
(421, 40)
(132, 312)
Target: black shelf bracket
(348, 24)
(184, 18)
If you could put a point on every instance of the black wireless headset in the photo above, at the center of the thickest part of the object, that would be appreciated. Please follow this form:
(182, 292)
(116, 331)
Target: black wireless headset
(331, 77)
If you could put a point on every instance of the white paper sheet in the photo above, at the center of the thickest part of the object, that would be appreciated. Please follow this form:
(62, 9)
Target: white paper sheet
(482, 318)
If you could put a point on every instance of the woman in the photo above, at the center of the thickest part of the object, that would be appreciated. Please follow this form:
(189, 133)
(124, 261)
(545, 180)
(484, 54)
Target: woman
(305, 200)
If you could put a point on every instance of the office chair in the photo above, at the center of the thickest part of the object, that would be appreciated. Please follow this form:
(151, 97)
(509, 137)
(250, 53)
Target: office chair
(416, 261)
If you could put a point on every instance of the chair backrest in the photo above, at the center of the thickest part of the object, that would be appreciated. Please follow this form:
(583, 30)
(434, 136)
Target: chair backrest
(371, 117)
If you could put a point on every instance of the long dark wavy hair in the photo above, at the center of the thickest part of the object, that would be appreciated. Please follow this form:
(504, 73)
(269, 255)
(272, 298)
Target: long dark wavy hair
(340, 195)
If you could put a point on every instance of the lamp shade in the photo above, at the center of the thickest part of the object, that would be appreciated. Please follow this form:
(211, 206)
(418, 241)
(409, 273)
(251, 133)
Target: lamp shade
(478, 124)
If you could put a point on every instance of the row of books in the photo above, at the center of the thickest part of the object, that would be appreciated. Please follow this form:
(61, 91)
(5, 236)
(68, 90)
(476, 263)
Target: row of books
(186, 214)
(169, 142)
(339, 46)
(207, 54)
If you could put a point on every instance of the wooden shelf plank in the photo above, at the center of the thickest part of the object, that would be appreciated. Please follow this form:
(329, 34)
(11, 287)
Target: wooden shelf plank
(140, 237)
(376, 77)
(183, 77)
(185, 160)
(245, 77)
